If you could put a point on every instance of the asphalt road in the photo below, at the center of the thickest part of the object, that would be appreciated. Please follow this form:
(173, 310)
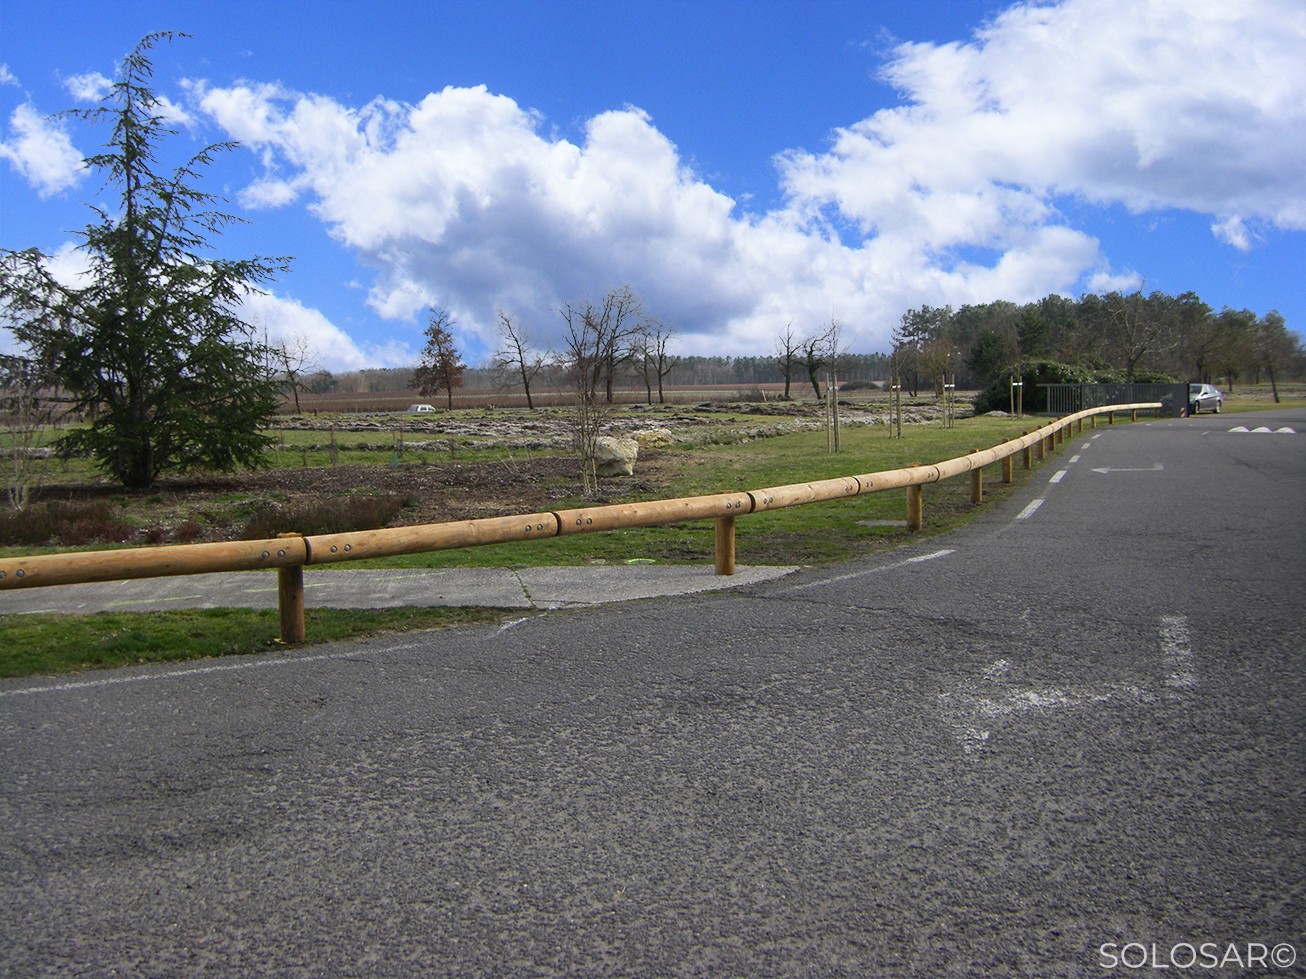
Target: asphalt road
(1069, 740)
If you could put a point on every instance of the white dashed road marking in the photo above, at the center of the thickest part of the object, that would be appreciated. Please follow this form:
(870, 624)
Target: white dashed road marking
(1029, 510)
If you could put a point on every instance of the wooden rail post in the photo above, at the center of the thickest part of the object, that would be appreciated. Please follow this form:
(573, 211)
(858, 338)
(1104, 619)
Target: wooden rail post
(1133, 414)
(1027, 454)
(977, 485)
(1110, 417)
(290, 601)
(1007, 466)
(915, 507)
(725, 545)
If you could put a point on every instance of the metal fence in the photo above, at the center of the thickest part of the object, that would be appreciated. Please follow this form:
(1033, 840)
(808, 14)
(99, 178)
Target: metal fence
(1065, 399)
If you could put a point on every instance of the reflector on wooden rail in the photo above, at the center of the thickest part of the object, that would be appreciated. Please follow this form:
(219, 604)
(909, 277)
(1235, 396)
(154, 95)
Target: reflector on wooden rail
(150, 562)
(898, 478)
(797, 494)
(652, 513)
(954, 467)
(327, 548)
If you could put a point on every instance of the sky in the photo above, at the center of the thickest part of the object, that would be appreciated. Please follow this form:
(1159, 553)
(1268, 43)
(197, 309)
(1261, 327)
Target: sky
(745, 166)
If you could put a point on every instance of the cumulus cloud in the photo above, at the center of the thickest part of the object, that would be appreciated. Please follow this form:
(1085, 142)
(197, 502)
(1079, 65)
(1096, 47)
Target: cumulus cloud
(284, 319)
(90, 87)
(958, 194)
(1155, 105)
(40, 150)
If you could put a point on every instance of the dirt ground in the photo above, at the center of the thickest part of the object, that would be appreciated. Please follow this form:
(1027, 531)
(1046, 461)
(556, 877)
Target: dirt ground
(543, 475)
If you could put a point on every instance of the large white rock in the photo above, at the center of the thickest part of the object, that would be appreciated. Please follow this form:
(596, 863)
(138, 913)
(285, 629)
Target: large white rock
(615, 456)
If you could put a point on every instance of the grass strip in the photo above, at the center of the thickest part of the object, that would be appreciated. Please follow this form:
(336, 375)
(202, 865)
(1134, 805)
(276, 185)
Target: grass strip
(39, 644)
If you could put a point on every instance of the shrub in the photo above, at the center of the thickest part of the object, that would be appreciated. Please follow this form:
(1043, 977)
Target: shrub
(323, 517)
(69, 524)
(188, 532)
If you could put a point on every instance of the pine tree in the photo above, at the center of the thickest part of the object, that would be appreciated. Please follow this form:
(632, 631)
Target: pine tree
(152, 350)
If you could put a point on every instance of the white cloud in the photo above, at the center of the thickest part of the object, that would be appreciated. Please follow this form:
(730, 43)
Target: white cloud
(327, 346)
(70, 266)
(956, 195)
(1233, 231)
(1198, 106)
(41, 152)
(7, 77)
(90, 87)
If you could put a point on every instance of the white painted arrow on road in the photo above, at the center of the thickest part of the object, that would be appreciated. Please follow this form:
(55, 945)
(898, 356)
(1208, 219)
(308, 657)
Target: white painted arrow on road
(1155, 467)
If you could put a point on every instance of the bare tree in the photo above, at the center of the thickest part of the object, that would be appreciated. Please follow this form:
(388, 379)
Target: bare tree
(441, 366)
(621, 317)
(27, 408)
(294, 359)
(595, 341)
(1140, 325)
(786, 356)
(655, 362)
(517, 357)
(814, 360)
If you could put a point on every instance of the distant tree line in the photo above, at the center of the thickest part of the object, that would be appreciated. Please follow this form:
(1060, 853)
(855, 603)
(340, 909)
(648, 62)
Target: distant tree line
(690, 370)
(1116, 336)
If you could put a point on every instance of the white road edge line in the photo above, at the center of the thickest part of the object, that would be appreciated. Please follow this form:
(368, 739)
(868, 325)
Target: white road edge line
(196, 671)
(861, 574)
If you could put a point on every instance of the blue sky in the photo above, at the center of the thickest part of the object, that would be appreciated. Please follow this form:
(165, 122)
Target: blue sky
(741, 165)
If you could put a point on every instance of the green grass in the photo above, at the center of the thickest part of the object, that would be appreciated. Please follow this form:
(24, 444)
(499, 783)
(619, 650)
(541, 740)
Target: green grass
(819, 533)
(43, 644)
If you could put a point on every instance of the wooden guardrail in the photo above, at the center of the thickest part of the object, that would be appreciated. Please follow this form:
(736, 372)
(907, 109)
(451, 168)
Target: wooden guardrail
(290, 553)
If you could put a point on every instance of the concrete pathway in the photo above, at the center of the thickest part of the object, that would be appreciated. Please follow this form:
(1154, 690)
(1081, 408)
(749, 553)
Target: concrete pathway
(524, 588)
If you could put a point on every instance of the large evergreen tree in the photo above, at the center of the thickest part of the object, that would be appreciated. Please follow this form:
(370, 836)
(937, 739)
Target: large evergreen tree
(150, 345)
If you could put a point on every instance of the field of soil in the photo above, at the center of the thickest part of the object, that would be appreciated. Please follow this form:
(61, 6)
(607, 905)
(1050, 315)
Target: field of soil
(432, 467)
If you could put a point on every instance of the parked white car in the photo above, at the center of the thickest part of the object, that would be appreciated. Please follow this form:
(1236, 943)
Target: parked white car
(418, 409)
(1204, 397)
